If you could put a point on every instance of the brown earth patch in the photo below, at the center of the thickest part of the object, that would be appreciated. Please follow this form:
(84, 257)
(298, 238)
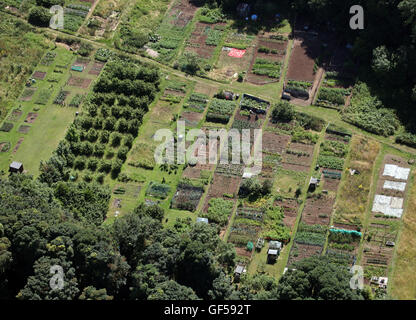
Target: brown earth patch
(96, 68)
(31, 117)
(15, 115)
(79, 82)
(19, 142)
(23, 129)
(294, 167)
(301, 251)
(275, 143)
(191, 118)
(39, 75)
(318, 210)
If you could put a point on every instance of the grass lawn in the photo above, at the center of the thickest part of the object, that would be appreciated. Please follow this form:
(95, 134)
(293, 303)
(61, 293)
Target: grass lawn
(52, 120)
(288, 181)
(354, 190)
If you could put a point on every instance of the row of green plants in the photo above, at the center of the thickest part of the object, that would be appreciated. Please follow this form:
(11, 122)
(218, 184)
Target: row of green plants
(330, 162)
(266, 67)
(332, 97)
(197, 102)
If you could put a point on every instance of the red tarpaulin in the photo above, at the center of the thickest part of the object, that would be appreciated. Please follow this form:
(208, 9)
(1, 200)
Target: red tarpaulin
(236, 53)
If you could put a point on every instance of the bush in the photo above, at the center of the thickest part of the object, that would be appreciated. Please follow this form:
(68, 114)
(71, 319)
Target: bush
(39, 17)
(283, 112)
(122, 153)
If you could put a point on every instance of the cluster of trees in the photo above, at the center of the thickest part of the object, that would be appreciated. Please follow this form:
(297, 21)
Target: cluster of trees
(134, 258)
(254, 189)
(114, 113)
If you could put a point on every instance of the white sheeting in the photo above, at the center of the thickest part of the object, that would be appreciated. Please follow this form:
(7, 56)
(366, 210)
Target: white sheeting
(400, 186)
(389, 206)
(396, 172)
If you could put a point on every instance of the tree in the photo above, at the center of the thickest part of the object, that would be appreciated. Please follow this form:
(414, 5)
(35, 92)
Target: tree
(317, 278)
(171, 290)
(39, 16)
(190, 62)
(283, 112)
(90, 293)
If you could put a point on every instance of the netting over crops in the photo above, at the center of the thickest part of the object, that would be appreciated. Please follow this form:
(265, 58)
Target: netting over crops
(389, 206)
(400, 186)
(396, 172)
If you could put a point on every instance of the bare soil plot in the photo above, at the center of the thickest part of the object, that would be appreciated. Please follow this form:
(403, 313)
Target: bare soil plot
(15, 115)
(23, 129)
(191, 118)
(335, 137)
(82, 62)
(275, 143)
(243, 252)
(16, 147)
(331, 184)
(31, 117)
(290, 209)
(318, 210)
(96, 68)
(306, 49)
(301, 251)
(222, 184)
(176, 93)
(205, 89)
(79, 82)
(295, 167)
(197, 40)
(4, 146)
(299, 154)
(28, 94)
(39, 75)
(279, 47)
(184, 11)
(254, 120)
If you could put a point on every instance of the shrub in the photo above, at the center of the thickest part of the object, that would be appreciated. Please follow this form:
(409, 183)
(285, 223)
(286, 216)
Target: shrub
(115, 139)
(283, 112)
(122, 153)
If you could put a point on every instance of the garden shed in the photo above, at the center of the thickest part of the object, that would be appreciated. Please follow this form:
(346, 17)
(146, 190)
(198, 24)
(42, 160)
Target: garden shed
(238, 271)
(313, 184)
(16, 167)
(275, 245)
(272, 255)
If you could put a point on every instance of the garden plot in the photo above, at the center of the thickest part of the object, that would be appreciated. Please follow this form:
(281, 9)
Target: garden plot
(254, 104)
(299, 154)
(158, 190)
(31, 117)
(300, 251)
(248, 120)
(96, 68)
(288, 182)
(191, 119)
(28, 94)
(220, 111)
(197, 102)
(16, 147)
(267, 62)
(229, 64)
(375, 250)
(15, 115)
(5, 146)
(74, 15)
(221, 187)
(205, 38)
(331, 179)
(344, 241)
(187, 196)
(6, 127)
(124, 197)
(242, 233)
(290, 209)
(40, 75)
(172, 31)
(318, 209)
(78, 82)
(270, 163)
(389, 206)
(275, 143)
(23, 129)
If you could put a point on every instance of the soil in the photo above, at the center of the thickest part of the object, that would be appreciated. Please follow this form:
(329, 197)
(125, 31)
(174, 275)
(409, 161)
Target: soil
(82, 62)
(23, 129)
(191, 118)
(318, 211)
(290, 208)
(334, 137)
(221, 185)
(331, 184)
(15, 115)
(243, 252)
(31, 117)
(390, 159)
(304, 160)
(174, 93)
(303, 251)
(295, 167)
(79, 82)
(196, 42)
(275, 143)
(39, 75)
(19, 142)
(96, 68)
(263, 42)
(184, 11)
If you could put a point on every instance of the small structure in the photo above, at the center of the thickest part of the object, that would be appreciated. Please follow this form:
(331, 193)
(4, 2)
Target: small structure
(16, 167)
(380, 281)
(77, 68)
(238, 271)
(250, 246)
(313, 184)
(259, 244)
(247, 175)
(276, 245)
(390, 243)
(203, 220)
(286, 97)
(272, 255)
